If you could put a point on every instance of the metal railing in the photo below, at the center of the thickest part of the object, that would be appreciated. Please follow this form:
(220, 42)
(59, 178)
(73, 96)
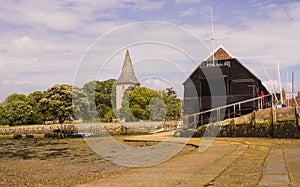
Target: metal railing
(198, 118)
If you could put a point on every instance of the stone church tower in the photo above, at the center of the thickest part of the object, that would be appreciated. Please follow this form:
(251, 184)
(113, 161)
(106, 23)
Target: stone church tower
(126, 80)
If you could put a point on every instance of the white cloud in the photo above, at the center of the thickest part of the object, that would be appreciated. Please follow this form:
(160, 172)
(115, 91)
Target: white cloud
(162, 84)
(187, 12)
(283, 12)
(155, 83)
(271, 39)
(37, 13)
(186, 1)
(23, 45)
(42, 43)
(58, 14)
(68, 15)
(144, 4)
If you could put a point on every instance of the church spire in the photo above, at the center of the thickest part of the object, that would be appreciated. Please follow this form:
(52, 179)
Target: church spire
(126, 80)
(127, 74)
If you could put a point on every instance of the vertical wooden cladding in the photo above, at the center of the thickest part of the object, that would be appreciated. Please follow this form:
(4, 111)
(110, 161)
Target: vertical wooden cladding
(239, 84)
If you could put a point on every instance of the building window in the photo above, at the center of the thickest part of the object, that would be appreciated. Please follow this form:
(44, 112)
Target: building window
(227, 63)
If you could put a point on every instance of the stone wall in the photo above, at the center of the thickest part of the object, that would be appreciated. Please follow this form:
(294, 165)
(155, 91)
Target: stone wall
(127, 128)
(111, 128)
(276, 123)
(35, 129)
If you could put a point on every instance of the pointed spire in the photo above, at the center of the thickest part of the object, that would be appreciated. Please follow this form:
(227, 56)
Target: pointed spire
(127, 74)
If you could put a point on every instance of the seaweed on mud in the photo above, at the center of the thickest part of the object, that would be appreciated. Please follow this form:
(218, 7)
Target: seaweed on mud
(24, 154)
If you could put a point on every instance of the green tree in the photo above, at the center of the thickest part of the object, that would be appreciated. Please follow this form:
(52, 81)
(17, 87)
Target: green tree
(146, 104)
(18, 110)
(33, 99)
(174, 109)
(171, 92)
(81, 104)
(137, 104)
(4, 116)
(139, 100)
(158, 109)
(125, 111)
(15, 97)
(102, 98)
(57, 103)
(174, 105)
(89, 89)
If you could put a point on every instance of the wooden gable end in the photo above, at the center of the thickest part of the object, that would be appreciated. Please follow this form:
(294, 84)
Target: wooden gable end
(219, 54)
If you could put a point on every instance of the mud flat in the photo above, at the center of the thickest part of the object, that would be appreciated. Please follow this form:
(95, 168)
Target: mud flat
(55, 162)
(48, 162)
(227, 162)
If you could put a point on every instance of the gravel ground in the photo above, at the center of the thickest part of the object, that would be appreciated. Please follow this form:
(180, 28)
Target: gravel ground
(55, 162)
(47, 162)
(229, 162)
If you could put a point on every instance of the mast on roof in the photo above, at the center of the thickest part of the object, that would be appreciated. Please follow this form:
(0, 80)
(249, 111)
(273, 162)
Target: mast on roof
(212, 35)
(280, 85)
(293, 84)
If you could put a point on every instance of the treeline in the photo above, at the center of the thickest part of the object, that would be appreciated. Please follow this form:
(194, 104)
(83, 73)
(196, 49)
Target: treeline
(146, 104)
(93, 102)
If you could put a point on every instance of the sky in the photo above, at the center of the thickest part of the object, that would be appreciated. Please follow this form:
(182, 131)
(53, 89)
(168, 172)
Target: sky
(43, 43)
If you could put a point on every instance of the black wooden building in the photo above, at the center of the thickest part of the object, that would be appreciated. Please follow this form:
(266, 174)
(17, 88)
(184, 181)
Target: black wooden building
(219, 80)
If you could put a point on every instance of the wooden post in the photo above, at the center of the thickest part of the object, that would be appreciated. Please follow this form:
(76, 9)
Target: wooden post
(274, 114)
(228, 112)
(195, 121)
(234, 111)
(240, 109)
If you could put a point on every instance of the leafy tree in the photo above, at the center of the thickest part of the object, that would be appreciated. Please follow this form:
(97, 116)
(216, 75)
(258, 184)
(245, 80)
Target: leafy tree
(33, 99)
(19, 112)
(57, 103)
(147, 104)
(105, 87)
(139, 100)
(81, 104)
(174, 105)
(125, 111)
(171, 92)
(64, 101)
(136, 107)
(15, 97)
(104, 93)
(174, 108)
(158, 109)
(102, 98)
(89, 89)
(4, 116)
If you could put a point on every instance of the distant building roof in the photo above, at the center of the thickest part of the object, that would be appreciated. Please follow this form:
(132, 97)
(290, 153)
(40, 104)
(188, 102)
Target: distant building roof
(127, 74)
(220, 54)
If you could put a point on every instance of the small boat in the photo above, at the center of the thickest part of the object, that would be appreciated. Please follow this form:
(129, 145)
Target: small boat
(281, 106)
(80, 135)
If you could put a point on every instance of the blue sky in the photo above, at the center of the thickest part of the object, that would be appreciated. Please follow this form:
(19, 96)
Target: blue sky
(43, 42)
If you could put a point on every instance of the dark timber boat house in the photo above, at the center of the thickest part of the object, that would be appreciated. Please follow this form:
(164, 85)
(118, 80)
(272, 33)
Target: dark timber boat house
(239, 82)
